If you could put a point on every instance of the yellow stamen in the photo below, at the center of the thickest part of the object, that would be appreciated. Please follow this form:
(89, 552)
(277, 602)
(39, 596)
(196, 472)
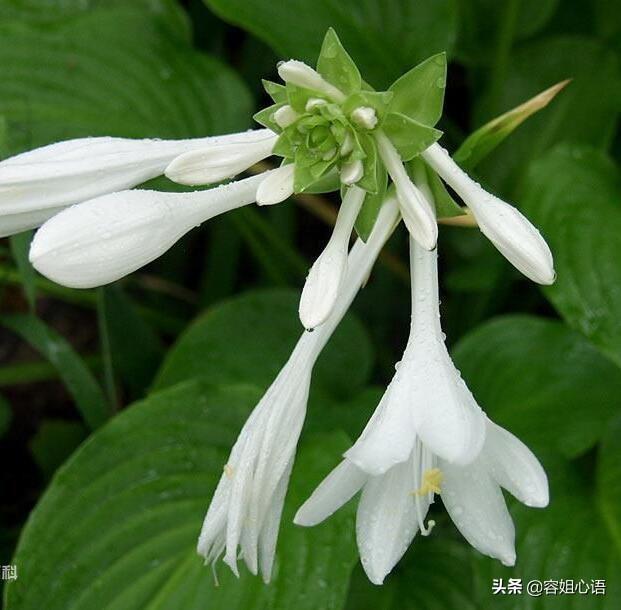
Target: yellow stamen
(432, 481)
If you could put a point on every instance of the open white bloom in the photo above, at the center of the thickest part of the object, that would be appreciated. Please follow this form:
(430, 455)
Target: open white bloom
(104, 239)
(394, 505)
(37, 184)
(246, 507)
(427, 398)
(506, 227)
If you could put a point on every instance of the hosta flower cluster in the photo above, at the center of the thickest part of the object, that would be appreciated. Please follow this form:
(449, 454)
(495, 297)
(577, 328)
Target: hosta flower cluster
(331, 132)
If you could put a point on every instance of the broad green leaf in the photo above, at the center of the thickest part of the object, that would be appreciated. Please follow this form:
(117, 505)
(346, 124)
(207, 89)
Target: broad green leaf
(276, 91)
(135, 349)
(419, 94)
(117, 528)
(581, 115)
(573, 195)
(54, 442)
(409, 136)
(336, 66)
(385, 40)
(43, 12)
(114, 72)
(484, 140)
(251, 336)
(78, 379)
(542, 381)
(484, 22)
(609, 481)
(20, 246)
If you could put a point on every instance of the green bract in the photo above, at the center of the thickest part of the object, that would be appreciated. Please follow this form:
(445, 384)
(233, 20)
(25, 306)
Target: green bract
(323, 136)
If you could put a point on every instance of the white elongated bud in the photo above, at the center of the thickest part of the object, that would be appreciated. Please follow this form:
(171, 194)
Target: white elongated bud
(101, 240)
(352, 172)
(314, 102)
(505, 226)
(323, 283)
(300, 74)
(416, 211)
(37, 184)
(285, 116)
(365, 117)
(221, 161)
(277, 186)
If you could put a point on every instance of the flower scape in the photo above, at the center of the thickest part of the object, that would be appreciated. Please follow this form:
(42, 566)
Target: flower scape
(428, 437)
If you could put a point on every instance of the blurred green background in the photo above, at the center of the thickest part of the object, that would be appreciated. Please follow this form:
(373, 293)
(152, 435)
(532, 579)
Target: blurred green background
(176, 354)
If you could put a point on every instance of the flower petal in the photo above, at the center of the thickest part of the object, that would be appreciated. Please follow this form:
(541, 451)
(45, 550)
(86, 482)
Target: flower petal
(103, 239)
(69, 172)
(506, 227)
(475, 503)
(386, 521)
(514, 466)
(218, 162)
(338, 488)
(277, 186)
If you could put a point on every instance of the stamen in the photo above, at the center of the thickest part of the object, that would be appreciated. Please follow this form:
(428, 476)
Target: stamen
(432, 481)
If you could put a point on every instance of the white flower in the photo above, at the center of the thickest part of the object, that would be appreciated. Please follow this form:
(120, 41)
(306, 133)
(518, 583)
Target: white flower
(427, 397)
(277, 186)
(323, 283)
(215, 163)
(300, 74)
(104, 239)
(246, 507)
(394, 505)
(418, 215)
(37, 184)
(507, 228)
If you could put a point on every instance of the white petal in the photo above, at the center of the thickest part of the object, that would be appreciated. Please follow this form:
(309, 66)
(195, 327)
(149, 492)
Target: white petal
(476, 505)
(300, 74)
(77, 170)
(416, 211)
(277, 186)
(10, 224)
(386, 521)
(103, 239)
(271, 525)
(388, 438)
(513, 466)
(323, 284)
(338, 488)
(506, 227)
(221, 161)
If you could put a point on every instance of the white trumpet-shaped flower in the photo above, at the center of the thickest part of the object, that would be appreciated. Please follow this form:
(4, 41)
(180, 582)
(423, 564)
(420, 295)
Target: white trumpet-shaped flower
(427, 398)
(323, 283)
(505, 226)
(219, 162)
(418, 215)
(394, 505)
(37, 184)
(246, 508)
(104, 239)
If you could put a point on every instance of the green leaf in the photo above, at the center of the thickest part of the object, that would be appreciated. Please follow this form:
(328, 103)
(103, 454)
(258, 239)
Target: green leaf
(372, 165)
(20, 246)
(385, 40)
(116, 72)
(265, 117)
(336, 66)
(117, 528)
(258, 324)
(5, 416)
(276, 91)
(409, 136)
(379, 100)
(446, 206)
(541, 380)
(54, 442)
(135, 349)
(484, 140)
(80, 382)
(581, 115)
(609, 481)
(419, 94)
(573, 195)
